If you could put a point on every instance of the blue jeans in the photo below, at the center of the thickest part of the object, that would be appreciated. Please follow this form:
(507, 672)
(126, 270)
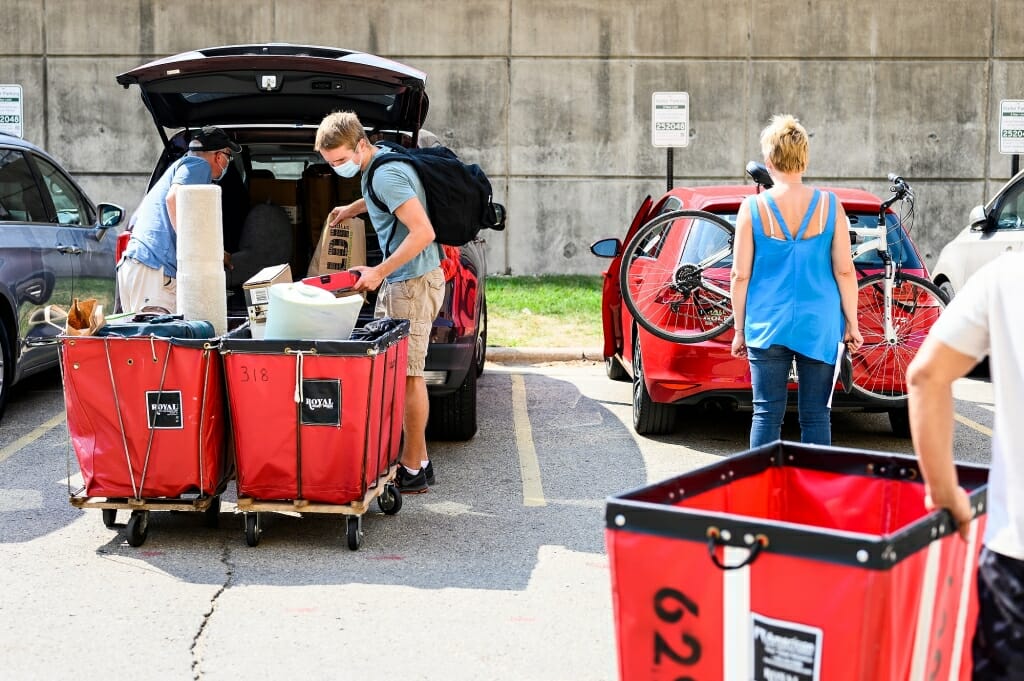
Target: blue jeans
(769, 373)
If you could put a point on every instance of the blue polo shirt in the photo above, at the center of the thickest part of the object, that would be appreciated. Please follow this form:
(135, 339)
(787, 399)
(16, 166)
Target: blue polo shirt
(154, 241)
(394, 184)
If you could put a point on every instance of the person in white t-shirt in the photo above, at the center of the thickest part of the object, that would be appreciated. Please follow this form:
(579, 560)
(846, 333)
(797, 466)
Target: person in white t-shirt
(985, 318)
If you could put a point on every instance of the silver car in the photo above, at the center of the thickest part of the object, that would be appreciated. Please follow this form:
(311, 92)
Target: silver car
(53, 247)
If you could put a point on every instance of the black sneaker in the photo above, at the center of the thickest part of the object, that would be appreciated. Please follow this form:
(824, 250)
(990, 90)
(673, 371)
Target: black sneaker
(411, 483)
(428, 470)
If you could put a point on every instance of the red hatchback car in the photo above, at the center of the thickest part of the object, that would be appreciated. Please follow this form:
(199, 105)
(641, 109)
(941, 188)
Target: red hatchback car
(667, 374)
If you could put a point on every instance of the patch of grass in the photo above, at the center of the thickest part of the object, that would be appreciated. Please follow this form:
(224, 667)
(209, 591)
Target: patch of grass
(544, 311)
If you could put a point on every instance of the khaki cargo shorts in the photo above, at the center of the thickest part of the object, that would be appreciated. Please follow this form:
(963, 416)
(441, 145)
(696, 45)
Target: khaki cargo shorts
(418, 300)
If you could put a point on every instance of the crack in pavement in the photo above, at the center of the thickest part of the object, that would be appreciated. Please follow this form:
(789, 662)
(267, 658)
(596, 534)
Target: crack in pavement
(228, 577)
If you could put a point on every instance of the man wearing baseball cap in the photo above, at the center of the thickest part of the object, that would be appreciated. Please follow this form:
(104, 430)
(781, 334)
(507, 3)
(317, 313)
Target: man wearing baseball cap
(147, 272)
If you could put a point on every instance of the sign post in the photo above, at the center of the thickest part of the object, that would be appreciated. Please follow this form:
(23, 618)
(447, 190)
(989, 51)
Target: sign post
(670, 123)
(1011, 131)
(12, 114)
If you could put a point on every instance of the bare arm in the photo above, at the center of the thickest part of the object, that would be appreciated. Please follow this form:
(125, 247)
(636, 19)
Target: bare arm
(421, 235)
(172, 206)
(742, 264)
(930, 388)
(846, 277)
(339, 213)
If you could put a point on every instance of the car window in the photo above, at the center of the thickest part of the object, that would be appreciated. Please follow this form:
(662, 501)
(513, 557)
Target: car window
(281, 166)
(900, 247)
(20, 200)
(705, 240)
(1012, 209)
(71, 208)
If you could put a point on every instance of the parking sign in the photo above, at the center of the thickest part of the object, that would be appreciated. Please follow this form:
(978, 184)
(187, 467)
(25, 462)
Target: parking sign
(670, 119)
(1011, 126)
(12, 113)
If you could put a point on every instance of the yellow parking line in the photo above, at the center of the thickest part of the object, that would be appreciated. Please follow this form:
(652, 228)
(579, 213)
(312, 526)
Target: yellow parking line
(984, 430)
(31, 437)
(529, 466)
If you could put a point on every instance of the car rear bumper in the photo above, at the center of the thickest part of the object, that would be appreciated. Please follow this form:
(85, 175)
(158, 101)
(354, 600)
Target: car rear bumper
(741, 400)
(447, 365)
(707, 374)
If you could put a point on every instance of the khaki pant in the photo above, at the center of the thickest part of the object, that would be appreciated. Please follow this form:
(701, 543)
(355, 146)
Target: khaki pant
(141, 288)
(418, 300)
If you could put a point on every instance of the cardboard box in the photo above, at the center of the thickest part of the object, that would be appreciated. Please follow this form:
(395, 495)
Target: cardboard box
(257, 290)
(284, 193)
(322, 191)
(340, 248)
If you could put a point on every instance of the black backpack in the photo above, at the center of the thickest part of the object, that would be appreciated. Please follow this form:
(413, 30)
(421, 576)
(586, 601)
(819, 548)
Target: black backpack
(459, 200)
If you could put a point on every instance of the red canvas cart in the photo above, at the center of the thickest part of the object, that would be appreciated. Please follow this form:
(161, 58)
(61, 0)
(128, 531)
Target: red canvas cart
(146, 416)
(797, 563)
(317, 424)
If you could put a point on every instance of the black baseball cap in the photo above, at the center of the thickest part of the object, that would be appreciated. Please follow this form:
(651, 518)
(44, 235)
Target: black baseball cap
(211, 138)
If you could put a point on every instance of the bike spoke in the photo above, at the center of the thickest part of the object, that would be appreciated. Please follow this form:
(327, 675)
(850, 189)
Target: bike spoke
(675, 276)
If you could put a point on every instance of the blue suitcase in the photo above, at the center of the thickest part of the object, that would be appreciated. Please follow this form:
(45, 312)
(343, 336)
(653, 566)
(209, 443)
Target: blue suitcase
(161, 326)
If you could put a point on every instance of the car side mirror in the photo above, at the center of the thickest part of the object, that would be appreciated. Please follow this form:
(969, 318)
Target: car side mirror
(978, 219)
(111, 215)
(606, 248)
(760, 175)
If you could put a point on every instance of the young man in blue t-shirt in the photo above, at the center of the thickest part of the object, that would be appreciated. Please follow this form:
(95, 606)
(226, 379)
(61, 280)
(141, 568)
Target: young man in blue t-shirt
(410, 277)
(148, 270)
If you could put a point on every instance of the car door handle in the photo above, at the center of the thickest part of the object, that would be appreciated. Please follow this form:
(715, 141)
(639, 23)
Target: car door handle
(69, 250)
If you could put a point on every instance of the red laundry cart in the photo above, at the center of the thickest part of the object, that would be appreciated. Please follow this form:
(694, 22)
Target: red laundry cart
(797, 563)
(317, 424)
(146, 416)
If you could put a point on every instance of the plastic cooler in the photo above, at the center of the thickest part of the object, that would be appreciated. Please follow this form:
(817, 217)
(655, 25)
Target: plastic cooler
(791, 563)
(319, 421)
(146, 415)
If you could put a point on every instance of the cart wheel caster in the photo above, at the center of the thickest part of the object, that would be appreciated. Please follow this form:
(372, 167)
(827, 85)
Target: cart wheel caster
(109, 517)
(211, 516)
(390, 499)
(252, 529)
(138, 528)
(354, 531)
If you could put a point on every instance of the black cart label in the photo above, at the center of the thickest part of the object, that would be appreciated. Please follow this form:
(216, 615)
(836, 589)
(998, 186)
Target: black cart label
(163, 408)
(785, 651)
(321, 402)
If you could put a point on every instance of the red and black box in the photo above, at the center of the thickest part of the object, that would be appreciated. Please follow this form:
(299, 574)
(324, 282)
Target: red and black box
(319, 421)
(146, 415)
(794, 562)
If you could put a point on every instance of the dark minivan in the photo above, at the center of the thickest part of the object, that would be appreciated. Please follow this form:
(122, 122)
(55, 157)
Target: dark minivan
(270, 98)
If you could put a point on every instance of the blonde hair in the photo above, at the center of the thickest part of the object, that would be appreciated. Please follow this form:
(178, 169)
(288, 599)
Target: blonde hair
(784, 142)
(337, 129)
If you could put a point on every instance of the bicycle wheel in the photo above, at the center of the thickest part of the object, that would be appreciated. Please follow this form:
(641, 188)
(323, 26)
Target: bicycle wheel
(674, 276)
(880, 366)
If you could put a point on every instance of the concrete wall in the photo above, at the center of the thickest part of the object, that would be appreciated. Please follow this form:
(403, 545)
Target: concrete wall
(553, 98)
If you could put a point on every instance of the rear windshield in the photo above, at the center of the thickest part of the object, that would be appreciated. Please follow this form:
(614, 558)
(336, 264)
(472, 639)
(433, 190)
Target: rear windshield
(900, 247)
(710, 239)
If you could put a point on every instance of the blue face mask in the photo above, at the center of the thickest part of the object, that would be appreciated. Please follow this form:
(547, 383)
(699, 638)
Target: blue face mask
(347, 169)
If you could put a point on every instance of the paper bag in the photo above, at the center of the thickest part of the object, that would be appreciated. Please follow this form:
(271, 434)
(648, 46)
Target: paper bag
(340, 248)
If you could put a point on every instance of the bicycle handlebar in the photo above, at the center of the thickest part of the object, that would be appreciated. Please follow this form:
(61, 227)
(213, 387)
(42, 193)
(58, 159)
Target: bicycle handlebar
(900, 189)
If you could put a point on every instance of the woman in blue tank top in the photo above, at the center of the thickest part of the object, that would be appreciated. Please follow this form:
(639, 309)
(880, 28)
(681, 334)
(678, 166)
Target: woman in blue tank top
(794, 290)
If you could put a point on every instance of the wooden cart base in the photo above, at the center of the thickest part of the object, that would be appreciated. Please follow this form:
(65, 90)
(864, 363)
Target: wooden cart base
(388, 497)
(138, 522)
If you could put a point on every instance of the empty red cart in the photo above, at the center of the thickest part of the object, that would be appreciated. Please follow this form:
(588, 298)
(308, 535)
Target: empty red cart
(146, 416)
(317, 425)
(793, 562)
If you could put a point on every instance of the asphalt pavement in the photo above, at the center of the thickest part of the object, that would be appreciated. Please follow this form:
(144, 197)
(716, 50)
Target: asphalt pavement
(500, 572)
